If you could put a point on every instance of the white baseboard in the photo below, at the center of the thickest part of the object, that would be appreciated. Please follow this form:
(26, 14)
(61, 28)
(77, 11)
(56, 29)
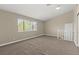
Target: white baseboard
(55, 36)
(29, 38)
(20, 40)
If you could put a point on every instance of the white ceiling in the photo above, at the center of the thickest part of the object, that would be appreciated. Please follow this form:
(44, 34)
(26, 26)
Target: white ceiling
(38, 11)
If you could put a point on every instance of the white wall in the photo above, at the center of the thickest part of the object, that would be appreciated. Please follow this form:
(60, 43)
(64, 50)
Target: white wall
(76, 25)
(8, 27)
(53, 25)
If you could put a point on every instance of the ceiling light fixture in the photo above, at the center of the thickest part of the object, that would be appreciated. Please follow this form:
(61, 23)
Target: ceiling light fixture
(58, 8)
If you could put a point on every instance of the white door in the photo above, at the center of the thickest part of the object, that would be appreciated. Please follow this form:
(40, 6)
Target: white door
(77, 30)
(68, 32)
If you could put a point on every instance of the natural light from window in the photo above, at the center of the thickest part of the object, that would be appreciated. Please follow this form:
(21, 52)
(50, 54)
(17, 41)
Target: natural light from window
(26, 25)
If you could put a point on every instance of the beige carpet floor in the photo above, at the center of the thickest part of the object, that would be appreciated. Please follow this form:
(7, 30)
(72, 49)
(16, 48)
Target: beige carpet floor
(43, 45)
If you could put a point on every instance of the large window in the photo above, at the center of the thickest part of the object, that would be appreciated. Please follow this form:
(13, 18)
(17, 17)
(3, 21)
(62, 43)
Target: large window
(26, 25)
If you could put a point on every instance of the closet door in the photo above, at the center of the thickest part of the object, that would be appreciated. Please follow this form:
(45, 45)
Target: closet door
(68, 32)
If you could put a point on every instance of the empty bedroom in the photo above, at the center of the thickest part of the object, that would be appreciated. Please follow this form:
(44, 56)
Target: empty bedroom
(39, 29)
